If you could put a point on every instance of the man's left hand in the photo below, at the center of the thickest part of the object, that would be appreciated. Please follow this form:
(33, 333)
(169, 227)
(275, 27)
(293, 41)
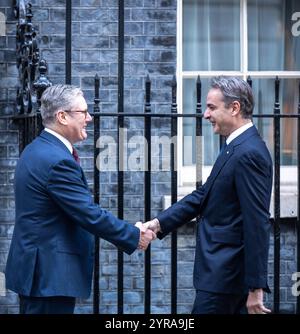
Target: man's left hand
(255, 303)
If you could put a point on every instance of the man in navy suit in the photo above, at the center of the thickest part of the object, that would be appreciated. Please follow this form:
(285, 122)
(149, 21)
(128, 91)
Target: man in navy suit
(230, 269)
(50, 261)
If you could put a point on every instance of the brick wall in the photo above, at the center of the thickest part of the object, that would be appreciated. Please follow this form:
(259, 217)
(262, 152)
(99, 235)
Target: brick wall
(288, 252)
(8, 146)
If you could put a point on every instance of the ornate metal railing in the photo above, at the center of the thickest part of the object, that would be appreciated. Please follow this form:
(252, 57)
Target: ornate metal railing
(32, 74)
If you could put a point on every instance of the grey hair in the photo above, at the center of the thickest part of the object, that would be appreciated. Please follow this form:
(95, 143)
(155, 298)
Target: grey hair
(57, 97)
(235, 89)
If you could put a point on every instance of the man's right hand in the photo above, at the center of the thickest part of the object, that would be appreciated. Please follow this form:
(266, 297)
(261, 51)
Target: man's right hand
(146, 236)
(153, 225)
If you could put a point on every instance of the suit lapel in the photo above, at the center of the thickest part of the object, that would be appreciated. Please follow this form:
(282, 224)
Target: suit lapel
(83, 177)
(220, 162)
(225, 156)
(48, 136)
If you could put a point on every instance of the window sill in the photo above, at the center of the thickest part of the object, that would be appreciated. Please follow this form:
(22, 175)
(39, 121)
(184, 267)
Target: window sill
(288, 189)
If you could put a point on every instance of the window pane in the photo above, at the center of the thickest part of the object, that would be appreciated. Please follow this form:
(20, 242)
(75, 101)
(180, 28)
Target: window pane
(210, 140)
(274, 41)
(211, 35)
(264, 97)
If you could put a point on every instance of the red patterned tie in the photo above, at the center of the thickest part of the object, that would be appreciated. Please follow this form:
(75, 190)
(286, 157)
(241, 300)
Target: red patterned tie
(75, 155)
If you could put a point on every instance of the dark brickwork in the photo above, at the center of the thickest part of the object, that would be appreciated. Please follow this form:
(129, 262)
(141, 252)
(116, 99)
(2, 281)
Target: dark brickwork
(8, 147)
(150, 48)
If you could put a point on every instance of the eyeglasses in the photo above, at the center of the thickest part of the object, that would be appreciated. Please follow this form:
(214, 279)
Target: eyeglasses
(85, 112)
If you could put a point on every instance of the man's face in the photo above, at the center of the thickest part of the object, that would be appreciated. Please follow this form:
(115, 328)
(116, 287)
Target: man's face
(219, 116)
(78, 118)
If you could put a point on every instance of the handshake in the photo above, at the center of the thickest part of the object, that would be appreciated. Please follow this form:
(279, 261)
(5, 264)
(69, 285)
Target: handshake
(148, 232)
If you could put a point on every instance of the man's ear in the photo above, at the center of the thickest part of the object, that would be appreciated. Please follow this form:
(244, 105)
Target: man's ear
(236, 108)
(61, 117)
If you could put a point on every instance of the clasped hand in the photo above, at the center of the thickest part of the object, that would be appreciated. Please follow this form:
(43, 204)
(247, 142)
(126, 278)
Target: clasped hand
(148, 232)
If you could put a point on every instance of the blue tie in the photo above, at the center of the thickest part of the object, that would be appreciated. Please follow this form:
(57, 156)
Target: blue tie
(223, 148)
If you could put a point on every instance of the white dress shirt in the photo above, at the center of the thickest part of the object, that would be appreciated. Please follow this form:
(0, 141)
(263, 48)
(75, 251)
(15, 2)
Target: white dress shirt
(238, 132)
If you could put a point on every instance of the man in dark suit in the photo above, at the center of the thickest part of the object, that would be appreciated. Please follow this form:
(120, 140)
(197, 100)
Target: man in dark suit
(50, 261)
(233, 207)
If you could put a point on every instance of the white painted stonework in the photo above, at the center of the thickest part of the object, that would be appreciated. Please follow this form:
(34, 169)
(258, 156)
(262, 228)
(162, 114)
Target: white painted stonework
(288, 190)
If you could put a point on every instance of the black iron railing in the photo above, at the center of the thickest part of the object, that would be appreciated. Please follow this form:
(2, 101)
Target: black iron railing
(147, 192)
(32, 75)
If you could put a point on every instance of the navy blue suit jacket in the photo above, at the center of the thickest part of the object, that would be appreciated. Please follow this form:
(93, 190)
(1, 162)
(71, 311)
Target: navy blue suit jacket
(233, 206)
(51, 252)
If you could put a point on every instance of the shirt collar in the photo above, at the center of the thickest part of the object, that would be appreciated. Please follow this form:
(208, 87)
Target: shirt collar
(61, 138)
(238, 132)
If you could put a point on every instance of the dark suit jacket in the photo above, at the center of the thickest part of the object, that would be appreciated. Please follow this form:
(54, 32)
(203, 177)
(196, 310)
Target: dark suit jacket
(51, 252)
(233, 231)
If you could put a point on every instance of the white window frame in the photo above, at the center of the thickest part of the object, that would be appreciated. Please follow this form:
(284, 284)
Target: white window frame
(187, 174)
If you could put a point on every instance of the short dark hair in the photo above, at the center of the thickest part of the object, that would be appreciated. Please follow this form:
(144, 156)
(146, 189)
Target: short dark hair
(235, 89)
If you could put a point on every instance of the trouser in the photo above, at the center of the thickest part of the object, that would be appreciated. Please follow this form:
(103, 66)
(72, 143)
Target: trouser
(219, 303)
(47, 305)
